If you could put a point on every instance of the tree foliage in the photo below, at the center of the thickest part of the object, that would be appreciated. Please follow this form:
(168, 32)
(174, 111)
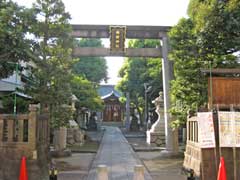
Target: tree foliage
(14, 44)
(92, 68)
(217, 25)
(137, 71)
(210, 36)
(86, 93)
(53, 65)
(49, 50)
(187, 86)
(8, 104)
(88, 72)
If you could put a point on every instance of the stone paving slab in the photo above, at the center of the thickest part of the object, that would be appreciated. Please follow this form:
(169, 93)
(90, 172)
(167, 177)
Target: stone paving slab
(72, 175)
(117, 154)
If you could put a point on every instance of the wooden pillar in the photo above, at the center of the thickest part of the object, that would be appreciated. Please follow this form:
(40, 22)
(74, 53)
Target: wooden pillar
(170, 136)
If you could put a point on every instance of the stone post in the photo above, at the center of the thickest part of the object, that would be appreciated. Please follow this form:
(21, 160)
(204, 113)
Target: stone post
(2, 133)
(170, 136)
(32, 126)
(127, 123)
(102, 172)
(138, 172)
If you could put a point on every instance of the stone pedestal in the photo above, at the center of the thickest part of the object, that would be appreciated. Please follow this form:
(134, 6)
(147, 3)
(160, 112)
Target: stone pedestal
(156, 138)
(60, 139)
(156, 135)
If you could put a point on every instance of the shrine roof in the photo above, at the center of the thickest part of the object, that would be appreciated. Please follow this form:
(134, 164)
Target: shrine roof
(108, 90)
(112, 94)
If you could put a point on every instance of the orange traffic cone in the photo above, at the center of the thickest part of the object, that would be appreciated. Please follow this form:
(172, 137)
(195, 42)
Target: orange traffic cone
(23, 170)
(222, 170)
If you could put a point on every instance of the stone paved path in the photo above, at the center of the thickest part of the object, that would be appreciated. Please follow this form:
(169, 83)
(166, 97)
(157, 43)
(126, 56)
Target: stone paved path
(117, 154)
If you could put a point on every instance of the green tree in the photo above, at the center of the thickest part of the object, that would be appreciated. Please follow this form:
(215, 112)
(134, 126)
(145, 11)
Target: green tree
(53, 66)
(187, 87)
(8, 104)
(15, 46)
(209, 36)
(217, 28)
(220, 36)
(86, 93)
(92, 68)
(137, 71)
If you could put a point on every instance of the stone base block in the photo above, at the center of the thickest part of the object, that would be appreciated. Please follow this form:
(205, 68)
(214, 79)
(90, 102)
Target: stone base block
(155, 138)
(168, 154)
(61, 153)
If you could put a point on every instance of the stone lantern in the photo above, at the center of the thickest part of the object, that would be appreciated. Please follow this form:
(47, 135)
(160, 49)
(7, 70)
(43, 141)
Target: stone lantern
(74, 99)
(156, 135)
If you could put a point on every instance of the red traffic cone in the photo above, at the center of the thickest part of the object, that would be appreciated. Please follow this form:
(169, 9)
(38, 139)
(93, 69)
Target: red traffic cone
(222, 175)
(23, 170)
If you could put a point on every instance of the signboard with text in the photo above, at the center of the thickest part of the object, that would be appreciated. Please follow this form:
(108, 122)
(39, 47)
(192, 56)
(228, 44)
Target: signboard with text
(226, 129)
(229, 129)
(206, 130)
(117, 38)
(237, 128)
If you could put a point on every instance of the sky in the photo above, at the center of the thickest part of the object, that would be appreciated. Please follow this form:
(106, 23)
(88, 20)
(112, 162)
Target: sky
(122, 12)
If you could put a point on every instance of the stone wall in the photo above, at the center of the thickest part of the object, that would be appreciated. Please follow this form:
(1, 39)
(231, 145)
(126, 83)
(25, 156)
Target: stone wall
(24, 135)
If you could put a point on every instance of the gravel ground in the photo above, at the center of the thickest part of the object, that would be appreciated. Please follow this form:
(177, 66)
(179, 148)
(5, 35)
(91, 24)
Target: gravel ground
(159, 167)
(75, 167)
(162, 168)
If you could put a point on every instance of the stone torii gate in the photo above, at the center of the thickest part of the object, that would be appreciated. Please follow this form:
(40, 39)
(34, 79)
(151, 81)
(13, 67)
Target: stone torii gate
(117, 35)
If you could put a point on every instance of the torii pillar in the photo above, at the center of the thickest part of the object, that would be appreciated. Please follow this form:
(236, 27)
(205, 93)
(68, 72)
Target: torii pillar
(171, 136)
